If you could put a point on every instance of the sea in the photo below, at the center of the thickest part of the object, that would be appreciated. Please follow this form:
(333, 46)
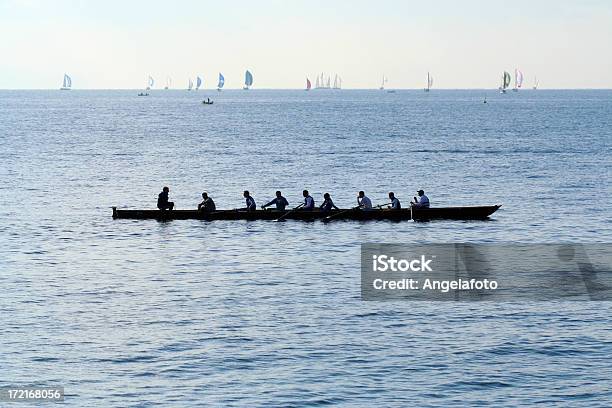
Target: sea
(191, 313)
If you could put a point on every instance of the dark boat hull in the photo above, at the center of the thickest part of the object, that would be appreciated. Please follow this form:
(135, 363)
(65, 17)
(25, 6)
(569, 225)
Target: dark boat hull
(448, 213)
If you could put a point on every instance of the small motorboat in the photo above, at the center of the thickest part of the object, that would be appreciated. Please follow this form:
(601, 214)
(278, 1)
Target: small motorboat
(209, 102)
(143, 94)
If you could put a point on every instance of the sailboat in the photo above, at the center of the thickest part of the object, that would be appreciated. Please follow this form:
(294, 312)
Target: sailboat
(317, 85)
(505, 82)
(190, 86)
(535, 83)
(168, 83)
(198, 83)
(248, 80)
(518, 80)
(429, 82)
(384, 81)
(67, 84)
(337, 82)
(221, 82)
(150, 83)
(308, 84)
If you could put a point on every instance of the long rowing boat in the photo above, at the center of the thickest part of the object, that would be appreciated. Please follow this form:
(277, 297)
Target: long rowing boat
(417, 214)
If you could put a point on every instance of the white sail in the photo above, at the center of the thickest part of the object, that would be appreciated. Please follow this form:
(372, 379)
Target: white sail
(505, 83)
(198, 83)
(429, 81)
(168, 82)
(384, 81)
(67, 83)
(151, 82)
(518, 78)
(317, 82)
(190, 85)
(221, 81)
(248, 79)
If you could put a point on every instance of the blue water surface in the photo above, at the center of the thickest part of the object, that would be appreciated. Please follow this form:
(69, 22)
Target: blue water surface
(191, 313)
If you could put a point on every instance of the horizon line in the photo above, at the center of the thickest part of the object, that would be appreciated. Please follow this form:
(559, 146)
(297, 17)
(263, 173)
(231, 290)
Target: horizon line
(303, 89)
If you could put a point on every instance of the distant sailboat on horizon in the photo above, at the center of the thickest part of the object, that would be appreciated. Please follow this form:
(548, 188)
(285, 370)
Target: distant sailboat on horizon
(535, 83)
(384, 81)
(325, 83)
(221, 82)
(518, 80)
(168, 82)
(67, 84)
(190, 85)
(248, 80)
(308, 84)
(337, 82)
(505, 82)
(150, 83)
(198, 83)
(429, 82)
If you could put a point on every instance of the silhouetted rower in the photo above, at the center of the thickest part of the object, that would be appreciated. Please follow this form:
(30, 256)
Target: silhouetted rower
(207, 203)
(280, 202)
(162, 200)
(309, 202)
(363, 201)
(250, 201)
(422, 201)
(395, 203)
(328, 204)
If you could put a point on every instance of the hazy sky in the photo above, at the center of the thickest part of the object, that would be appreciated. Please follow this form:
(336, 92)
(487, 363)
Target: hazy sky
(465, 44)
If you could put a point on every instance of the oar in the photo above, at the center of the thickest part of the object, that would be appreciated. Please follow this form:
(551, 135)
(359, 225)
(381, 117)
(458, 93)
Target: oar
(382, 205)
(331, 217)
(288, 212)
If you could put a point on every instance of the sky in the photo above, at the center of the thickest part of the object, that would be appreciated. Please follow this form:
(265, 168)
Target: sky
(110, 44)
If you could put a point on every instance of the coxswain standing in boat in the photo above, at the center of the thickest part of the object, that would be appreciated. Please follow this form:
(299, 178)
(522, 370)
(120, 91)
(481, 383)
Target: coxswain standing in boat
(280, 202)
(328, 204)
(309, 202)
(250, 201)
(162, 200)
(422, 201)
(395, 203)
(207, 203)
(363, 201)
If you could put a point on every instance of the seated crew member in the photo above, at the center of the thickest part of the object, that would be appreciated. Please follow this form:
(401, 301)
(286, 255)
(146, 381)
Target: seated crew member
(162, 200)
(363, 201)
(280, 202)
(207, 203)
(422, 201)
(309, 202)
(328, 204)
(395, 203)
(250, 201)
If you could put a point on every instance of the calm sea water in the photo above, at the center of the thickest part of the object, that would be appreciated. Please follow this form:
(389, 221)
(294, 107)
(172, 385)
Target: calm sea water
(189, 313)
